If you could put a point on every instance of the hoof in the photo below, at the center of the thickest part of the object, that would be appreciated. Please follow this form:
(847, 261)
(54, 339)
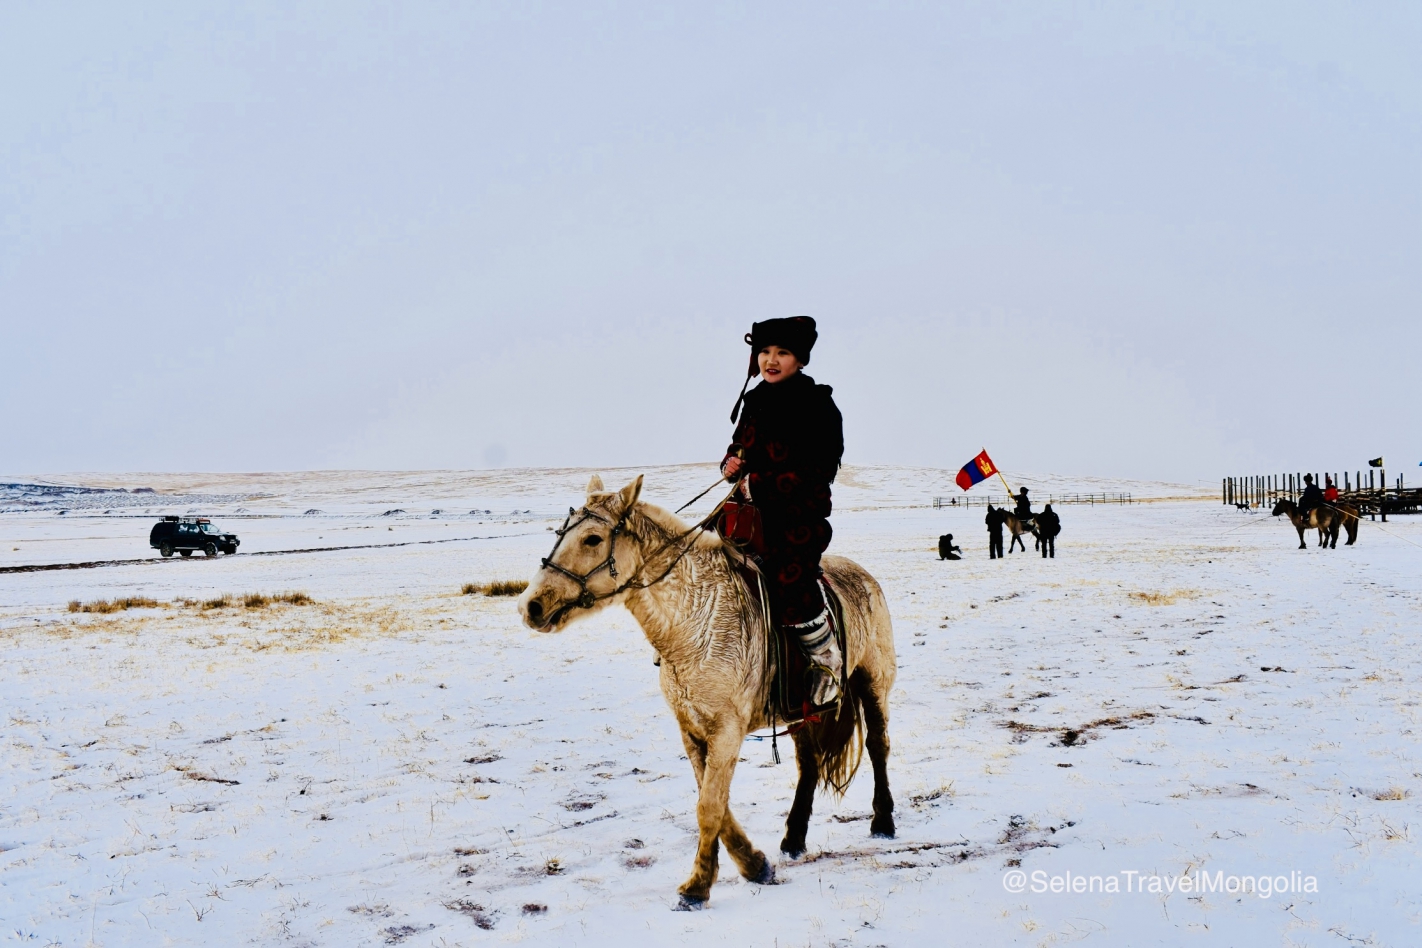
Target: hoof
(688, 904)
(766, 876)
(794, 848)
(882, 829)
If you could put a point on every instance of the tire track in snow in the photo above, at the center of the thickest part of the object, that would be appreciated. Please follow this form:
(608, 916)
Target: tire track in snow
(96, 564)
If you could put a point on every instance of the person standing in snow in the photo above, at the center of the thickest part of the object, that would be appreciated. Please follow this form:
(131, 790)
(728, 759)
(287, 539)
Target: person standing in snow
(1049, 525)
(994, 525)
(786, 449)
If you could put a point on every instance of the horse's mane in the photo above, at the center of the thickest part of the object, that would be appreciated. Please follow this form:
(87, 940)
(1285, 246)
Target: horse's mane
(648, 522)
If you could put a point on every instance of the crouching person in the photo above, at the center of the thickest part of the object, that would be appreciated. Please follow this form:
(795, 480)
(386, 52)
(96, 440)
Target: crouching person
(946, 549)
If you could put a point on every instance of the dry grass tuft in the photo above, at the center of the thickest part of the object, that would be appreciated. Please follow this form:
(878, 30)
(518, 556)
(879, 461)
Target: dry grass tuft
(261, 601)
(1072, 736)
(503, 587)
(1163, 598)
(288, 622)
(248, 600)
(1394, 834)
(1392, 793)
(477, 914)
(105, 606)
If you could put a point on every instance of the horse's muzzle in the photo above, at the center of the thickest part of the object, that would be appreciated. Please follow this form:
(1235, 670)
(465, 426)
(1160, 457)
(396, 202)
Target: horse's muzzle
(538, 614)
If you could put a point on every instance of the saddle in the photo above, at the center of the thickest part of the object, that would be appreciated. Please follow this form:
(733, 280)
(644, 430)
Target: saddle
(788, 698)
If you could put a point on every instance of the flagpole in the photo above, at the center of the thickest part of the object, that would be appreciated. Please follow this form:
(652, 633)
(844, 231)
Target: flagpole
(1005, 485)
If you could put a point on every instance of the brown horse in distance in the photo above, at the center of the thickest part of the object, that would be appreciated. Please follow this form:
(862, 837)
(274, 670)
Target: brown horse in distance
(1328, 520)
(1017, 526)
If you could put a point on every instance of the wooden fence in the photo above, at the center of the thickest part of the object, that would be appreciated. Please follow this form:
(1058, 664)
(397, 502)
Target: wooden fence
(1002, 500)
(1371, 495)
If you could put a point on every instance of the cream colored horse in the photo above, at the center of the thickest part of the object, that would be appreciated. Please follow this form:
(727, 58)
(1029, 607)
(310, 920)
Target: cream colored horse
(679, 585)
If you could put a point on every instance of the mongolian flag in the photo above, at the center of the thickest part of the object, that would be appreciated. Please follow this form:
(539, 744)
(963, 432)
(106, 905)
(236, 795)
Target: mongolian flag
(976, 471)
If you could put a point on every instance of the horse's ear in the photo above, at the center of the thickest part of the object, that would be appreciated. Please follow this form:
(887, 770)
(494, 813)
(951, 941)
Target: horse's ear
(594, 486)
(629, 494)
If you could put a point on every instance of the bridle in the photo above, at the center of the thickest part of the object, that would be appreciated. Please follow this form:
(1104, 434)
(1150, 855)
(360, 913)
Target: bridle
(586, 598)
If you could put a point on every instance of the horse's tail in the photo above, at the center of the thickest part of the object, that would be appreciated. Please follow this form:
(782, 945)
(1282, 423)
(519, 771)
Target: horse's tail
(839, 744)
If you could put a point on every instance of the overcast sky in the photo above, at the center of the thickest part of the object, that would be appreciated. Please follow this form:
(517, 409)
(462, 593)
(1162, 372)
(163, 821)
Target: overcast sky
(1105, 238)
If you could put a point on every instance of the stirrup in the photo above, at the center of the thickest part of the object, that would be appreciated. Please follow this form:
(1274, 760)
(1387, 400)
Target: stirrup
(825, 673)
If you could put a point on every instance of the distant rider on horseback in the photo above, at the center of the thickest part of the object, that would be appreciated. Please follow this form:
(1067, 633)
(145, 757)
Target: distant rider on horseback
(1024, 506)
(1311, 499)
(787, 447)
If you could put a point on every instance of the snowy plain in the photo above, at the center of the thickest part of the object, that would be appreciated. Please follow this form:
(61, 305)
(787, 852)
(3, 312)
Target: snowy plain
(1179, 693)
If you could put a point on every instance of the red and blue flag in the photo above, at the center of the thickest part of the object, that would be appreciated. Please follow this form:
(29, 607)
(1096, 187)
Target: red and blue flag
(976, 471)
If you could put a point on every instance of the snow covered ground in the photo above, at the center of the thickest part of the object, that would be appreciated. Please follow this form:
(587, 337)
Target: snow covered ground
(1180, 694)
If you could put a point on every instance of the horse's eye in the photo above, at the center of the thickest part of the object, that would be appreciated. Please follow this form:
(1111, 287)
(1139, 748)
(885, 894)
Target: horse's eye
(593, 540)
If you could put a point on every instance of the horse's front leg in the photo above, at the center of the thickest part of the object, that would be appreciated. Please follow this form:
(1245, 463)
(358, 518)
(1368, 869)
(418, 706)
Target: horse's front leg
(1302, 545)
(738, 844)
(695, 754)
(714, 820)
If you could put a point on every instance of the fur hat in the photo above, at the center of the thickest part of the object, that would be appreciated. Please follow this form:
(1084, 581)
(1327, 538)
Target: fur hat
(795, 333)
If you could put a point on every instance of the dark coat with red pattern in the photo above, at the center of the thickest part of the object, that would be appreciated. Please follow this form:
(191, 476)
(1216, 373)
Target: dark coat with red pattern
(791, 436)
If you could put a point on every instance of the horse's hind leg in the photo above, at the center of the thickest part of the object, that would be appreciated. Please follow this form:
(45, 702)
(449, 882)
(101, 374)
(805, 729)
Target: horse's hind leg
(876, 722)
(798, 822)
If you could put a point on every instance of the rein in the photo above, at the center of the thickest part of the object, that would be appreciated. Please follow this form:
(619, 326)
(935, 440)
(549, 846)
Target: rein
(587, 598)
(701, 495)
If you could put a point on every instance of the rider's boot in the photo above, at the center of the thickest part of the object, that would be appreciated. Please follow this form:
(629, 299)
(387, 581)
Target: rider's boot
(818, 642)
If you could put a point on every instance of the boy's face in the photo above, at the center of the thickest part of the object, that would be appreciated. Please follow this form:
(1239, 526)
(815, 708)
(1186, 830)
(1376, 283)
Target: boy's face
(777, 364)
